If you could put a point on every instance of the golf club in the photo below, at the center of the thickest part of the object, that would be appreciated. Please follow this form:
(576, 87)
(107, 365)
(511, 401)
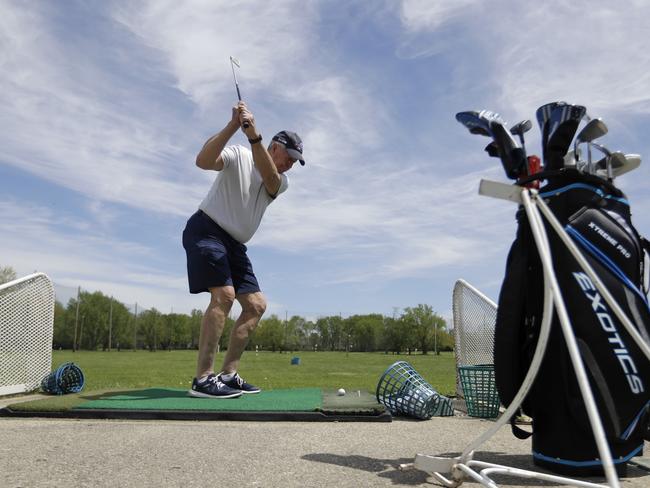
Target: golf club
(604, 167)
(594, 129)
(602, 149)
(615, 163)
(632, 161)
(520, 129)
(235, 62)
(488, 123)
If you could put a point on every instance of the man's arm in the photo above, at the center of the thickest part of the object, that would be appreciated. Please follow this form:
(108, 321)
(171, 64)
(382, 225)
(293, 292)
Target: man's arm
(261, 157)
(209, 156)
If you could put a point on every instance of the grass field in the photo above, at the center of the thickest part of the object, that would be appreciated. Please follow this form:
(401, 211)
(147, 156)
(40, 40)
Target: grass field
(128, 369)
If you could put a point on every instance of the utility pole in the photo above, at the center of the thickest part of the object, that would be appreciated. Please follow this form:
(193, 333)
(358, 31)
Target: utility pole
(76, 320)
(286, 324)
(435, 338)
(81, 330)
(135, 329)
(110, 324)
(171, 329)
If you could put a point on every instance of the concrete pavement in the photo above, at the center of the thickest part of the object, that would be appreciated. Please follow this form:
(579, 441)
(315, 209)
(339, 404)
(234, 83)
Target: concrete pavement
(104, 453)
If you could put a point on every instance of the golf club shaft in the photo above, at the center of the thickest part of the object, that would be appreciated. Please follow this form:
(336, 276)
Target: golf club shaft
(245, 125)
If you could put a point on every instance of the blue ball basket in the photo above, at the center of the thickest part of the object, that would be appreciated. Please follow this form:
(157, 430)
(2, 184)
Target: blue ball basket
(404, 392)
(67, 378)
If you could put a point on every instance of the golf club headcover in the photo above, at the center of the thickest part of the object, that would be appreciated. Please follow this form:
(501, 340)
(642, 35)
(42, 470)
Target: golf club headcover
(513, 156)
(561, 128)
(473, 122)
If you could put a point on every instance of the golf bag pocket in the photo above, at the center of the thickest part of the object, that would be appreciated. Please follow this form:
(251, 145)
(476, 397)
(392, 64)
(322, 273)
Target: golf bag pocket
(610, 239)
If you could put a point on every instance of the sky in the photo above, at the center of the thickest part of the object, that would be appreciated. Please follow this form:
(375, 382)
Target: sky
(105, 104)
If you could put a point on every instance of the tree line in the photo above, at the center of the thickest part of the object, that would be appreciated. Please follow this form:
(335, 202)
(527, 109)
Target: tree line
(94, 321)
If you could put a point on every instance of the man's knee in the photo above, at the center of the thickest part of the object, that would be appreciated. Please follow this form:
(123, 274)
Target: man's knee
(222, 297)
(254, 304)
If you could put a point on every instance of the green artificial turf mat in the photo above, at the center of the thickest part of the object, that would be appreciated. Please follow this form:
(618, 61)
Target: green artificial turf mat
(294, 400)
(296, 404)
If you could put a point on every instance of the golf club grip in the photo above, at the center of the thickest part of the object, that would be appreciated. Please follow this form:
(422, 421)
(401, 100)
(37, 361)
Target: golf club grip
(245, 125)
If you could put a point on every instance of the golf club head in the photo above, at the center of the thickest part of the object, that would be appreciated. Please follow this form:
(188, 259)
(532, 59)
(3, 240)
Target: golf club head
(235, 61)
(620, 164)
(632, 161)
(559, 130)
(603, 167)
(513, 156)
(521, 128)
(594, 129)
(617, 160)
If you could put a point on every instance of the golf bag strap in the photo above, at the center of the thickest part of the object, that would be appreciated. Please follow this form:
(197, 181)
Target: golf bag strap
(645, 245)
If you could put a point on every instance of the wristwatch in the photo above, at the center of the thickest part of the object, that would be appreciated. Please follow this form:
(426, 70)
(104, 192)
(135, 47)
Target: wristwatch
(255, 141)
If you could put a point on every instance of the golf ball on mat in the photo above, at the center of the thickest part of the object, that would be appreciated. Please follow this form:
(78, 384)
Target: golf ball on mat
(341, 392)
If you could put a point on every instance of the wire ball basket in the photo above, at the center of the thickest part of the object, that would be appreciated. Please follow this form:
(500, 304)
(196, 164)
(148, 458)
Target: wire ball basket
(67, 378)
(403, 391)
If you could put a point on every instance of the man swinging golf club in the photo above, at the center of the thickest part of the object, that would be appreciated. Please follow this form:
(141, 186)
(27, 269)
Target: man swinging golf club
(248, 181)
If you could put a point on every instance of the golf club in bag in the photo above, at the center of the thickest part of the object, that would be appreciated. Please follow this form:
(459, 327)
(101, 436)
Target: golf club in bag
(571, 345)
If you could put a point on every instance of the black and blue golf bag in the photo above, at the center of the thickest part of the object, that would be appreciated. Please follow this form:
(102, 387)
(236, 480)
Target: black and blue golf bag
(596, 215)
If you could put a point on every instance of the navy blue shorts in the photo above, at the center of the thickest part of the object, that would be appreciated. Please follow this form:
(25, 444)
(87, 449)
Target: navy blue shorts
(214, 258)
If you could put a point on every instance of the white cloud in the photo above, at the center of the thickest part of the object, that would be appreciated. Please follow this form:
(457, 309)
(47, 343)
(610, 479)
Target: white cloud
(196, 38)
(36, 238)
(417, 15)
(594, 53)
(116, 114)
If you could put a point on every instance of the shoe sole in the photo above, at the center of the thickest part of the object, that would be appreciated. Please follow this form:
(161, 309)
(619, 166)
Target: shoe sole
(250, 392)
(198, 394)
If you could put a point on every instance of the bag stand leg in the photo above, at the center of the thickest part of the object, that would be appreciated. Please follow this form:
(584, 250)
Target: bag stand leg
(464, 467)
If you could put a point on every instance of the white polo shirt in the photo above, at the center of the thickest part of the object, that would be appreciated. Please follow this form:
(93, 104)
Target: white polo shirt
(238, 198)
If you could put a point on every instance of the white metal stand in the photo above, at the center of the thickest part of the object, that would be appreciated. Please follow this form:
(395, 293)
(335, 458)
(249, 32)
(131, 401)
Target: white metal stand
(452, 472)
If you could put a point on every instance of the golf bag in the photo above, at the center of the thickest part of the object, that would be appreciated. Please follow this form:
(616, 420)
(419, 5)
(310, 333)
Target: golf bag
(597, 217)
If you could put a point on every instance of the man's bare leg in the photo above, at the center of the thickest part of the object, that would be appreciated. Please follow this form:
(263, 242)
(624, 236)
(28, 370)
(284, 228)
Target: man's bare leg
(212, 324)
(253, 306)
